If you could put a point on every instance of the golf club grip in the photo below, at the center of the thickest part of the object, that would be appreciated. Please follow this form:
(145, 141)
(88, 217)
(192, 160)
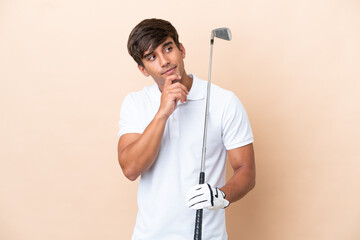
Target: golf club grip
(198, 224)
(199, 214)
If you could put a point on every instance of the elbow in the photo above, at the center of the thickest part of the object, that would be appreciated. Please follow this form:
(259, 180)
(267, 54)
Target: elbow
(130, 176)
(129, 172)
(252, 185)
(252, 182)
(128, 167)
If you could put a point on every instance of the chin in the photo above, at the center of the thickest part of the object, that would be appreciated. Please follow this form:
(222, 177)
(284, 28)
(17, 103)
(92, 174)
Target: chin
(160, 81)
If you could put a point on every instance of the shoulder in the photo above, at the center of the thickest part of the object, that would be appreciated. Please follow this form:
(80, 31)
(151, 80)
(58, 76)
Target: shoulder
(216, 92)
(222, 97)
(222, 92)
(144, 95)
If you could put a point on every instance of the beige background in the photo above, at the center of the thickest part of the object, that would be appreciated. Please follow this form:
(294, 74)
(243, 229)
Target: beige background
(64, 70)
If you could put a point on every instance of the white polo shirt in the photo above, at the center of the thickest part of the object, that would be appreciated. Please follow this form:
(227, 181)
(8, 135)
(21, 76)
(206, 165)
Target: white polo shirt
(162, 213)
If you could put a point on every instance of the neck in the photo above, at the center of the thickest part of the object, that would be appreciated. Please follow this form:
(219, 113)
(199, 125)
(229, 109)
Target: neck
(187, 81)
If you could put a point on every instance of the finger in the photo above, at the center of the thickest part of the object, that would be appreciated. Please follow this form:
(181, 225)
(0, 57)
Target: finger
(200, 205)
(176, 86)
(194, 197)
(170, 79)
(167, 83)
(198, 199)
(175, 90)
(183, 97)
(177, 95)
(195, 190)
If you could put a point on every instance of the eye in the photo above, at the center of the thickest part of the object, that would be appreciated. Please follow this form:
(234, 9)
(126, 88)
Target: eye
(151, 58)
(168, 49)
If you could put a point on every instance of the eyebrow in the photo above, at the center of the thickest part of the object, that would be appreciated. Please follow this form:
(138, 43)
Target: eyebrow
(152, 52)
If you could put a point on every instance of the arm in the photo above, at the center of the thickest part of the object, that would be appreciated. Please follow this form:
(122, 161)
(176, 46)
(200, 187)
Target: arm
(137, 152)
(243, 179)
(236, 126)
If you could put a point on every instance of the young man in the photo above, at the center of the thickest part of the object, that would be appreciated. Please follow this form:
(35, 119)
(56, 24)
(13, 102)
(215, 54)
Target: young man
(160, 139)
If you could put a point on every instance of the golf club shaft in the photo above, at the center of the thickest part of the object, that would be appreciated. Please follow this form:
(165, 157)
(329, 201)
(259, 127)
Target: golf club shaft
(199, 212)
(203, 156)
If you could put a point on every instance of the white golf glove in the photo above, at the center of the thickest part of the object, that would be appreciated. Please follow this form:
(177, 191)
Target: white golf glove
(204, 196)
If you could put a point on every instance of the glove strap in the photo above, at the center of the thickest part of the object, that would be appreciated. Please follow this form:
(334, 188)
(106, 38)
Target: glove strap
(224, 195)
(211, 196)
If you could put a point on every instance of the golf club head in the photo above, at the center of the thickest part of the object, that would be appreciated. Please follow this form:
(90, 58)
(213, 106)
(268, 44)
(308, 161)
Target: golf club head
(222, 33)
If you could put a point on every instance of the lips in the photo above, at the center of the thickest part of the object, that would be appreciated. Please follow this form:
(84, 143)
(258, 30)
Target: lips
(169, 71)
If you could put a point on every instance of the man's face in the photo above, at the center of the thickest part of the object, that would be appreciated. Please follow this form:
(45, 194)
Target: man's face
(167, 59)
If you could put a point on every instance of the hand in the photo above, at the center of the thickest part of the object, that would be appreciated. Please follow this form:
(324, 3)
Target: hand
(172, 92)
(204, 196)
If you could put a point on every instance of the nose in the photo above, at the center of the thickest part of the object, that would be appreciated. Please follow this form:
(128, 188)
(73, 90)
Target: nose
(164, 61)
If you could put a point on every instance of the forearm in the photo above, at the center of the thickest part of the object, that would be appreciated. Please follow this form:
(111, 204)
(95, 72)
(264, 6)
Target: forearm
(138, 156)
(239, 184)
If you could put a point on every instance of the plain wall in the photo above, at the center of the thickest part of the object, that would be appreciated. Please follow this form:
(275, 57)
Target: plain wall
(64, 71)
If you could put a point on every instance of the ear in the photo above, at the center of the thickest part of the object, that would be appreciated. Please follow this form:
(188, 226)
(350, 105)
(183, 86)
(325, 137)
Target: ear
(182, 50)
(143, 71)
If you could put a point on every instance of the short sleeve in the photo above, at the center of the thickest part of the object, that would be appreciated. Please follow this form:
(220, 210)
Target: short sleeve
(129, 117)
(236, 129)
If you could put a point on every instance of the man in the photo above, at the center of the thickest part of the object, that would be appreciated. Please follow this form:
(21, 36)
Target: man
(160, 139)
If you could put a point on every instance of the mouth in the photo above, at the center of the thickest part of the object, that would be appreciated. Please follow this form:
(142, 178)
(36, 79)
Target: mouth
(169, 71)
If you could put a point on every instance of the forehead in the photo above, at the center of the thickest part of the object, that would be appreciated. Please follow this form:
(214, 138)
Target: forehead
(152, 48)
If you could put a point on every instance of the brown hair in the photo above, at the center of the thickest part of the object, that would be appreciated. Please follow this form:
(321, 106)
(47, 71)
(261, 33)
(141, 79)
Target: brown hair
(149, 34)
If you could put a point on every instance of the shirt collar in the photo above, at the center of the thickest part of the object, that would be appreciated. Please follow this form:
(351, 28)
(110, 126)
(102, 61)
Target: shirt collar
(197, 91)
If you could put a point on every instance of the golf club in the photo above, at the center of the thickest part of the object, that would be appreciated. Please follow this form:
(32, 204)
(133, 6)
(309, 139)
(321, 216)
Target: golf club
(225, 34)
